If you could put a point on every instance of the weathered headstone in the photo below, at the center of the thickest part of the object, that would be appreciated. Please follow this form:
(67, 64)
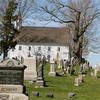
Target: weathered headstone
(76, 82)
(39, 65)
(92, 74)
(30, 73)
(52, 70)
(81, 80)
(11, 80)
(40, 78)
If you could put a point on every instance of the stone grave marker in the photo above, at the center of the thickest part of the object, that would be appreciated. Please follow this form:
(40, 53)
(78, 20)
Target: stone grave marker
(76, 82)
(80, 78)
(30, 73)
(39, 65)
(40, 78)
(11, 80)
(52, 68)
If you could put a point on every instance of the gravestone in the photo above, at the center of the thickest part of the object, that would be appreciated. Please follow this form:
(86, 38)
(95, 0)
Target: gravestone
(11, 80)
(52, 69)
(40, 79)
(76, 82)
(30, 73)
(81, 80)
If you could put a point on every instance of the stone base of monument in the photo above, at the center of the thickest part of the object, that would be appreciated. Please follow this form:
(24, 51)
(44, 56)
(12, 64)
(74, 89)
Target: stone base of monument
(13, 96)
(52, 73)
(11, 88)
(40, 83)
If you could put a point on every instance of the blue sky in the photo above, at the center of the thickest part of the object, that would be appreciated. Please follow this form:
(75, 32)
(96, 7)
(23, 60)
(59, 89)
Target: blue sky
(94, 59)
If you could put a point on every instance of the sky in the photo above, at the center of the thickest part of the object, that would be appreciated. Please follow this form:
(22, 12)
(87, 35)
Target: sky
(93, 58)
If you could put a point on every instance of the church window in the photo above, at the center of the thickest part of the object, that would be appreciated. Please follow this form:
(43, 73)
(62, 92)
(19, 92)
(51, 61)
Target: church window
(58, 48)
(29, 48)
(20, 47)
(49, 49)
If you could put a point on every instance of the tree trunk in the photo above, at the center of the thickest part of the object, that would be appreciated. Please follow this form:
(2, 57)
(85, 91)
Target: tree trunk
(77, 41)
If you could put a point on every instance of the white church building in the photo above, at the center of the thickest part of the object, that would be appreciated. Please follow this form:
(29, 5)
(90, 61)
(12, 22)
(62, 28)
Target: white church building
(51, 43)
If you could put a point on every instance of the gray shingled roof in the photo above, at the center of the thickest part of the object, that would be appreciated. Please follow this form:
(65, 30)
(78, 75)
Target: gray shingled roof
(43, 35)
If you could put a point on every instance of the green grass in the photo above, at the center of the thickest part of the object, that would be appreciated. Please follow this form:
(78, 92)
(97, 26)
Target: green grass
(60, 86)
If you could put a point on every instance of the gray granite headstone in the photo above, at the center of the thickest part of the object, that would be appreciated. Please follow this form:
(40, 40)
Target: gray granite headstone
(11, 72)
(11, 80)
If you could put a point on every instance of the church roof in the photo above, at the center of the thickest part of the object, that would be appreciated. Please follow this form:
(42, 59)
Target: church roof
(43, 35)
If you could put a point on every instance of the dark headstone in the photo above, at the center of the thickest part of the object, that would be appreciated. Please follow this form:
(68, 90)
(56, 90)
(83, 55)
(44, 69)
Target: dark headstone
(11, 72)
(11, 75)
(11, 80)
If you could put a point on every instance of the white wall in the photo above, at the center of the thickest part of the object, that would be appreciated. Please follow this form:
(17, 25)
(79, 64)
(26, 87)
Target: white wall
(63, 53)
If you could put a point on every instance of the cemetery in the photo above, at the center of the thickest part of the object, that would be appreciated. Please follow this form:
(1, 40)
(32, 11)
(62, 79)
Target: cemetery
(63, 86)
(48, 86)
(48, 63)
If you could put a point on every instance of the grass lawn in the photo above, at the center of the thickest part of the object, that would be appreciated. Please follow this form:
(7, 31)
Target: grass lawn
(60, 86)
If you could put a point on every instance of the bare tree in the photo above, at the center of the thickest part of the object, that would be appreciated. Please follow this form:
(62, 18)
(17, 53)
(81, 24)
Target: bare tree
(24, 8)
(81, 16)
